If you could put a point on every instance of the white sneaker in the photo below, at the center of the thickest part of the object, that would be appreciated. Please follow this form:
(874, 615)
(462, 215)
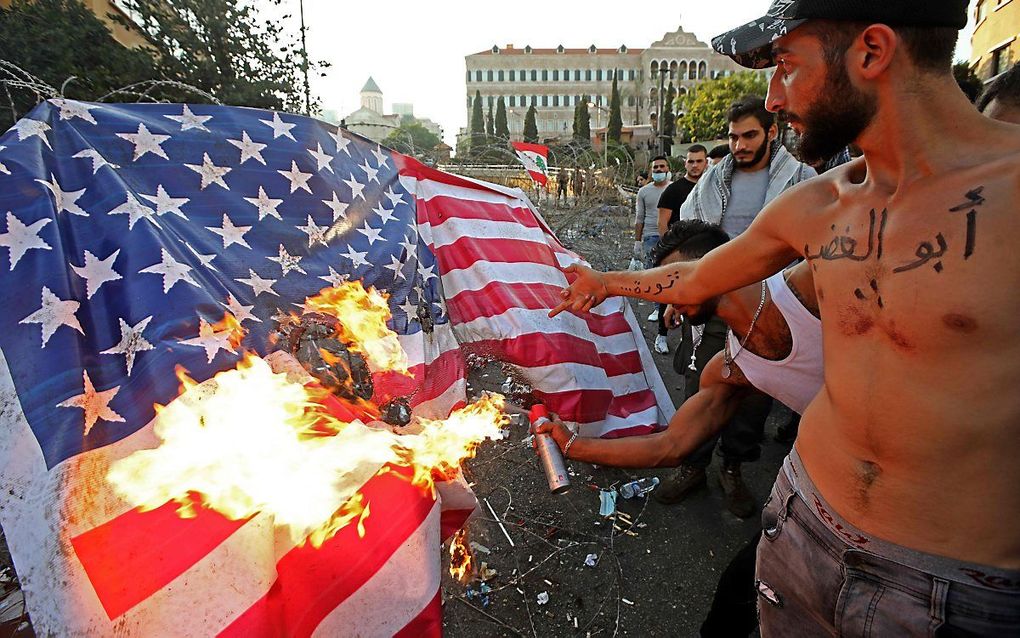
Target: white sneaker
(655, 315)
(661, 345)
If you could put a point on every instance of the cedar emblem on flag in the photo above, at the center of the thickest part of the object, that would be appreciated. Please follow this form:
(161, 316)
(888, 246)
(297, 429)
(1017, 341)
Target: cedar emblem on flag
(535, 158)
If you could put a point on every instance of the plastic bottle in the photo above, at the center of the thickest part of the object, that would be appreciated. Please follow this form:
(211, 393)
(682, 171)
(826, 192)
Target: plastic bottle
(549, 454)
(639, 487)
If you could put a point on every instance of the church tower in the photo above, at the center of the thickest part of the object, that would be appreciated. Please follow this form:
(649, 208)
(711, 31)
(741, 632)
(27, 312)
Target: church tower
(371, 97)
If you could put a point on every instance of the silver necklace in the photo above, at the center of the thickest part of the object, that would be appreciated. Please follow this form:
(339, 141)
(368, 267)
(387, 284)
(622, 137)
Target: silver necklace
(727, 370)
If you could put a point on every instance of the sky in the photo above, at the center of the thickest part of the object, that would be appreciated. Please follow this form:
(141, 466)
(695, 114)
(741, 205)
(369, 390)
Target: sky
(415, 50)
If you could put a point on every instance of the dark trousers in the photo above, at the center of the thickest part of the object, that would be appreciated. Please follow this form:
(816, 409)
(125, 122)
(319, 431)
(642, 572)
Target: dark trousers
(734, 607)
(662, 320)
(741, 437)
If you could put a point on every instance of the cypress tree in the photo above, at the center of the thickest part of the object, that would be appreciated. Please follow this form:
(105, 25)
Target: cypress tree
(615, 116)
(530, 126)
(668, 121)
(502, 130)
(584, 122)
(490, 125)
(477, 121)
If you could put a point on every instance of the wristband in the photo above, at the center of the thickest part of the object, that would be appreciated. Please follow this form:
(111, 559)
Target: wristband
(570, 441)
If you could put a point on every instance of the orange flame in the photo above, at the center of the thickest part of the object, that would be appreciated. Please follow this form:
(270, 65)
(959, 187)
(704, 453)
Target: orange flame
(252, 441)
(362, 315)
(461, 561)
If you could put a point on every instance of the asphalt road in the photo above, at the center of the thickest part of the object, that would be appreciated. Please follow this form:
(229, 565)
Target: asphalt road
(657, 582)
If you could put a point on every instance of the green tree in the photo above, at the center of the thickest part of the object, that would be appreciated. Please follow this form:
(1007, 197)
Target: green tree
(490, 124)
(413, 139)
(704, 117)
(502, 129)
(582, 122)
(530, 126)
(477, 122)
(615, 117)
(56, 40)
(668, 121)
(969, 82)
(227, 48)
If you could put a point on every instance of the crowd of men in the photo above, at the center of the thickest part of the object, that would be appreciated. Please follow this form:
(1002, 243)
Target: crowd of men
(875, 297)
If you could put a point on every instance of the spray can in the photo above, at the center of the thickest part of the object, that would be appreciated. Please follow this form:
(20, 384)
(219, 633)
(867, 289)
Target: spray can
(549, 453)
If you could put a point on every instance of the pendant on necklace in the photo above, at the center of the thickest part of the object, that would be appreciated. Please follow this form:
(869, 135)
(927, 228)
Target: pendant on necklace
(726, 372)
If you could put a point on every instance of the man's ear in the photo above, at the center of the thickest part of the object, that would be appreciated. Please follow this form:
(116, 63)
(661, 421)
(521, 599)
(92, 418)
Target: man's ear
(773, 132)
(872, 52)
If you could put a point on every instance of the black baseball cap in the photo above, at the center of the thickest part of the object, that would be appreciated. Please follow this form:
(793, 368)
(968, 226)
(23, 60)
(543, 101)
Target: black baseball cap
(750, 45)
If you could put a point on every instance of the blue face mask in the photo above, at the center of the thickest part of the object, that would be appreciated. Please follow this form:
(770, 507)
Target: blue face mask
(659, 177)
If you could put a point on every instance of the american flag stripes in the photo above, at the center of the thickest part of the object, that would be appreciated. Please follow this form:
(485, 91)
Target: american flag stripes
(129, 231)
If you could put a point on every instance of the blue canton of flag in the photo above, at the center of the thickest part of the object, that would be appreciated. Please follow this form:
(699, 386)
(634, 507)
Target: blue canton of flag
(130, 230)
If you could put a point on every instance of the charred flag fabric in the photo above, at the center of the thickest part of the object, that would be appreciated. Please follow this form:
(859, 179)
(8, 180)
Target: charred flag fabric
(128, 231)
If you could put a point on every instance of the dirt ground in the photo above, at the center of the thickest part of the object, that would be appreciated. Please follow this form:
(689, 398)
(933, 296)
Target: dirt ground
(655, 568)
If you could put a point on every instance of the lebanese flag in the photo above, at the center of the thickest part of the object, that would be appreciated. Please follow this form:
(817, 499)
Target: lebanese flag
(535, 158)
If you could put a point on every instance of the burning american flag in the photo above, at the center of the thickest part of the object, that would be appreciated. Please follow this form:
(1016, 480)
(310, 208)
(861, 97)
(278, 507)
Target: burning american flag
(142, 238)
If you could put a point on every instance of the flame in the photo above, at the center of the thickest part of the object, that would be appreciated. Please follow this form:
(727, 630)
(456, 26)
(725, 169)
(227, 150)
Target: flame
(362, 315)
(250, 441)
(461, 561)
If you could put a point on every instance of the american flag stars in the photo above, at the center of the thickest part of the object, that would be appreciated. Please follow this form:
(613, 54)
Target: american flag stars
(197, 212)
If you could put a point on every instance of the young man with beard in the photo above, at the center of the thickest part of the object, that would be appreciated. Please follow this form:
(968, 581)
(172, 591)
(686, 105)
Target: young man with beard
(731, 195)
(896, 513)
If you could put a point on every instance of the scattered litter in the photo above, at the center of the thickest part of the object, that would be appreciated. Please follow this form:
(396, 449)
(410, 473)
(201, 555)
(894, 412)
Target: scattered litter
(519, 590)
(639, 487)
(529, 557)
(641, 525)
(485, 573)
(607, 502)
(547, 582)
(507, 386)
(591, 560)
(624, 600)
(526, 441)
(575, 622)
(481, 593)
(478, 547)
(543, 598)
(711, 553)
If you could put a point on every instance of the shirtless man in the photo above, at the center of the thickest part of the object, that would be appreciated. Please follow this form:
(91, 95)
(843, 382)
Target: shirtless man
(775, 334)
(896, 513)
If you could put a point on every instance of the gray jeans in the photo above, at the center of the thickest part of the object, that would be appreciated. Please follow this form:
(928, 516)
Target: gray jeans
(817, 575)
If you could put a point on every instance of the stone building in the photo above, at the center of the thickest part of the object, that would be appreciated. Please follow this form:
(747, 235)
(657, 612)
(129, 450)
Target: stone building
(995, 45)
(554, 80)
(369, 120)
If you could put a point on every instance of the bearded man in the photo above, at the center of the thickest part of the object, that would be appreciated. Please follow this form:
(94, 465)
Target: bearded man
(896, 513)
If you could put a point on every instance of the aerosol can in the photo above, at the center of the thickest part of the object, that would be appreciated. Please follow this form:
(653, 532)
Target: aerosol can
(548, 452)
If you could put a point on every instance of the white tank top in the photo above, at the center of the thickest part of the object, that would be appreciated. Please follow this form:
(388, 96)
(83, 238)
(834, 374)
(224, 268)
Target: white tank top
(796, 379)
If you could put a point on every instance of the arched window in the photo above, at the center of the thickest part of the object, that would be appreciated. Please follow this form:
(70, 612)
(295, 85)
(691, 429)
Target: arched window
(672, 70)
(692, 70)
(683, 69)
(702, 70)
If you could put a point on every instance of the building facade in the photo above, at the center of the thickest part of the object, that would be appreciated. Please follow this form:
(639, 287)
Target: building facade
(556, 80)
(995, 45)
(370, 121)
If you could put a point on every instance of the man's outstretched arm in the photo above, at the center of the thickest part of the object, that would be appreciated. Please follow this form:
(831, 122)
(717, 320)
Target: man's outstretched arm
(700, 418)
(758, 253)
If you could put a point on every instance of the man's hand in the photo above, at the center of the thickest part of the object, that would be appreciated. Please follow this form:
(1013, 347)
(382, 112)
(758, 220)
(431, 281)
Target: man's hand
(587, 290)
(557, 429)
(672, 317)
